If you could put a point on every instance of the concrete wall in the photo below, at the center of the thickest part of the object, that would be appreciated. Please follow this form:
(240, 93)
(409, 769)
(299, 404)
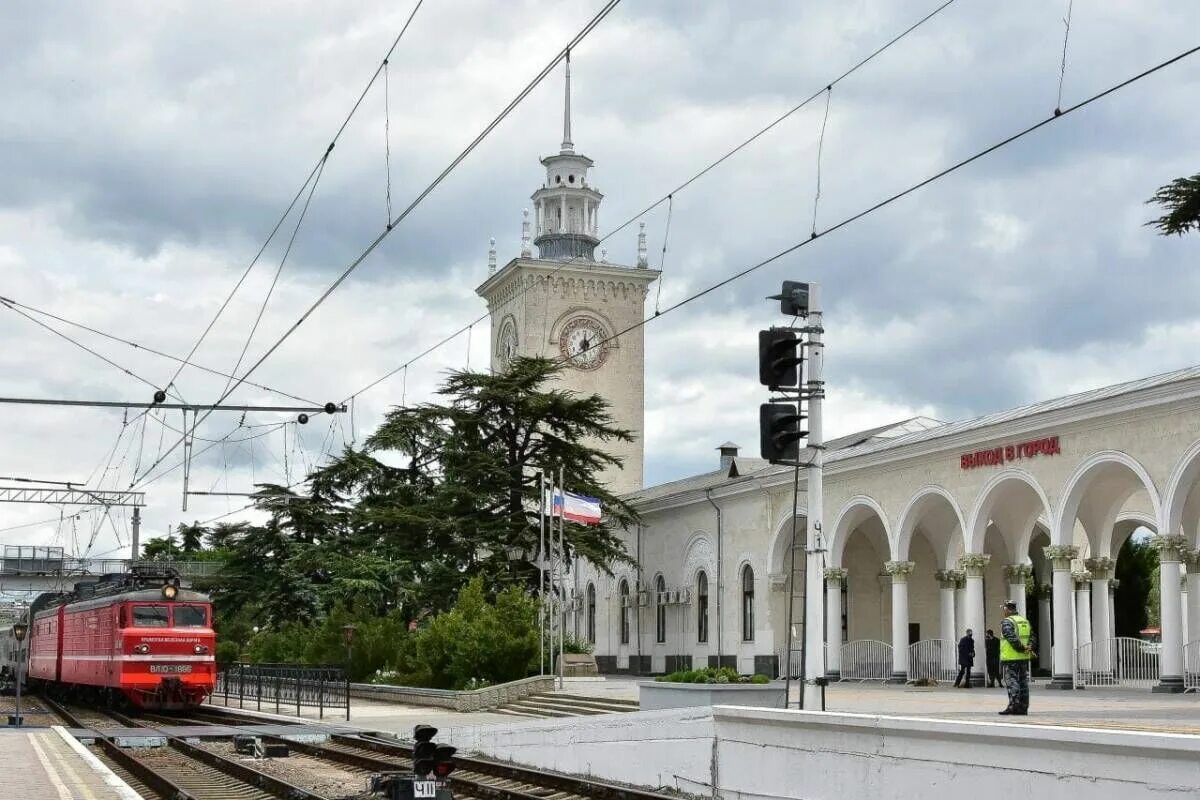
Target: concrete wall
(764, 753)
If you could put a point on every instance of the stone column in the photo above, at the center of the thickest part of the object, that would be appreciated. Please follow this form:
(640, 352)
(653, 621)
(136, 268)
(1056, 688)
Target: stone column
(834, 578)
(1113, 585)
(1015, 575)
(1170, 552)
(947, 580)
(899, 570)
(1193, 596)
(1083, 617)
(1184, 596)
(1101, 570)
(960, 606)
(1060, 557)
(973, 564)
(1045, 626)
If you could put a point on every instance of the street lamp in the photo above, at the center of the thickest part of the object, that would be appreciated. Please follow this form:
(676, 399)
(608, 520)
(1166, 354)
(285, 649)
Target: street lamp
(19, 630)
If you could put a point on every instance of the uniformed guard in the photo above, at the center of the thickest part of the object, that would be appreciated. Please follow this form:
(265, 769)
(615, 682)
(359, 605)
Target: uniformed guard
(1016, 650)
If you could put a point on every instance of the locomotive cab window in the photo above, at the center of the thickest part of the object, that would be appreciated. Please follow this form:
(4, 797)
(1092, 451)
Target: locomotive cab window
(190, 617)
(150, 616)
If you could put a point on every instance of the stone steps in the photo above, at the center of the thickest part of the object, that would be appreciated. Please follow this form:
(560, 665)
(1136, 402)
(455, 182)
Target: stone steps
(562, 704)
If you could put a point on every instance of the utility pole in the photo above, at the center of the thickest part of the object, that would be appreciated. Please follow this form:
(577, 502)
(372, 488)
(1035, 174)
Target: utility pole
(135, 530)
(813, 689)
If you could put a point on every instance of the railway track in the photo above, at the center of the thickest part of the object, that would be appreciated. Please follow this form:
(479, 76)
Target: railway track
(328, 771)
(180, 771)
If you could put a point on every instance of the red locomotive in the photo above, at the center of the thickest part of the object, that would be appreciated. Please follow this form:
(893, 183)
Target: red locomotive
(136, 638)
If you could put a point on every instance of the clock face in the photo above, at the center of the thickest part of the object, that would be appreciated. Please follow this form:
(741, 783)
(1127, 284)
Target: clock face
(582, 343)
(506, 343)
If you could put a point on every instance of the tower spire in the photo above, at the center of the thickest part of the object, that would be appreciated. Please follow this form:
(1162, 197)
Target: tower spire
(567, 145)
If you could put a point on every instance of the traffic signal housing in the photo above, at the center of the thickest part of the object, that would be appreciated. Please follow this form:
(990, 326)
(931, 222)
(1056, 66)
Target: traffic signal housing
(424, 750)
(444, 761)
(793, 299)
(779, 432)
(779, 357)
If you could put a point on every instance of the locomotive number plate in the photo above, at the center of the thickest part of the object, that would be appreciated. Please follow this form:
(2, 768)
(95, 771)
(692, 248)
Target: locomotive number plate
(170, 669)
(424, 789)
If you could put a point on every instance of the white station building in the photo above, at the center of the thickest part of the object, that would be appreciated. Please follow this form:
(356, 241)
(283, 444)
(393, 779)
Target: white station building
(928, 525)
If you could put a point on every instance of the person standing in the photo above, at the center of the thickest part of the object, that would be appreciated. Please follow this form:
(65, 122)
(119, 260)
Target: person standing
(1016, 650)
(991, 654)
(966, 660)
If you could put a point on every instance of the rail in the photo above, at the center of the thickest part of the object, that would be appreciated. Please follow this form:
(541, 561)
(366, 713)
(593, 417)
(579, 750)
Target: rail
(1123, 661)
(288, 686)
(866, 660)
(932, 660)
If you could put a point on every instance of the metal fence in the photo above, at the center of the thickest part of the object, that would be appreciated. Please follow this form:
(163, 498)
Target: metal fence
(1191, 665)
(797, 661)
(1123, 661)
(287, 687)
(932, 659)
(32, 560)
(866, 660)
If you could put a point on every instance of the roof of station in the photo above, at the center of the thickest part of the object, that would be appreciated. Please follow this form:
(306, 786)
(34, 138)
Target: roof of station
(908, 432)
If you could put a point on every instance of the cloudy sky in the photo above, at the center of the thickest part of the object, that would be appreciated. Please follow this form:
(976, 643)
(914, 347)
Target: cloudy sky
(146, 150)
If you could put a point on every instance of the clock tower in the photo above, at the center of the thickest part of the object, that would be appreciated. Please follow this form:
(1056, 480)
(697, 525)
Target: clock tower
(565, 303)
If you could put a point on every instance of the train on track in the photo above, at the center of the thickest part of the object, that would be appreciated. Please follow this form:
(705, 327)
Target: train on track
(137, 639)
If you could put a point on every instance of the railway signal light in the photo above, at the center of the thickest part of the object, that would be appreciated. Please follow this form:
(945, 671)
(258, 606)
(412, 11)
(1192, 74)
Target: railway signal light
(425, 750)
(779, 358)
(793, 299)
(779, 432)
(444, 757)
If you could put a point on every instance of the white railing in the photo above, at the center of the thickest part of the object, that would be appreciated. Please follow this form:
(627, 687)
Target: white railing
(932, 659)
(1191, 665)
(866, 660)
(1123, 661)
(797, 660)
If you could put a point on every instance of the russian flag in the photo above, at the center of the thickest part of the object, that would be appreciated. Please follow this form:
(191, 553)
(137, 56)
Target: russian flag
(575, 507)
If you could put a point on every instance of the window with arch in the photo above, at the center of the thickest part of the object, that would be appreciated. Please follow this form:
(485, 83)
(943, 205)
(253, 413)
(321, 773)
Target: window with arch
(591, 613)
(624, 591)
(702, 607)
(660, 610)
(747, 604)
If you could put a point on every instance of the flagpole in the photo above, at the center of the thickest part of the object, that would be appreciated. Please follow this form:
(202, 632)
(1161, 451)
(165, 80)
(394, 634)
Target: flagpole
(562, 553)
(541, 573)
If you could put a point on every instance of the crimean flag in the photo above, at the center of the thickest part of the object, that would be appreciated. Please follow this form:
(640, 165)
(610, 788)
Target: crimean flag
(575, 507)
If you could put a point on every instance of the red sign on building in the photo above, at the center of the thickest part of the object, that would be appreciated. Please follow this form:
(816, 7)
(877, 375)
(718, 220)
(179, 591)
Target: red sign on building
(1005, 454)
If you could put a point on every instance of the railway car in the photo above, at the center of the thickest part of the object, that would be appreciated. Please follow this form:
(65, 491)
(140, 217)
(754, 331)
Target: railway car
(127, 638)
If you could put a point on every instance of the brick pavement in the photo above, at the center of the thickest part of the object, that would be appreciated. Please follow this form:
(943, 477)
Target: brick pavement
(39, 764)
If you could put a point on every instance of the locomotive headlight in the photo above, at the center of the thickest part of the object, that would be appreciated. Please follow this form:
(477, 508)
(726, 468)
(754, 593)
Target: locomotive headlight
(169, 591)
(200, 649)
(142, 649)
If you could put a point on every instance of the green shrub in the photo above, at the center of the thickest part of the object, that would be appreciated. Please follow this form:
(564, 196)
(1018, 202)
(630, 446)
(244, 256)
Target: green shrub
(711, 675)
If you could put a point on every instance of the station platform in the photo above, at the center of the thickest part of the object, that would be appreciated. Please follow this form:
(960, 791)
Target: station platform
(45, 764)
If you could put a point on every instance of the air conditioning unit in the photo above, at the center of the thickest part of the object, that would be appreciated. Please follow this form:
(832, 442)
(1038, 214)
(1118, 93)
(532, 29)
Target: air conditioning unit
(643, 599)
(626, 601)
(685, 596)
(674, 597)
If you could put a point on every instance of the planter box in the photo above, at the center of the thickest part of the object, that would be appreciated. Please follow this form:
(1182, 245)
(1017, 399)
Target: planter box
(653, 695)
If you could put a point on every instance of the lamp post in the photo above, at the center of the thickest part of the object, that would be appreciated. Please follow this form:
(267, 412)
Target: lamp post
(348, 635)
(19, 630)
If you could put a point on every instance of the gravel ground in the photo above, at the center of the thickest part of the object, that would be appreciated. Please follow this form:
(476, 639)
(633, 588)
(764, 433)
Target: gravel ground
(322, 777)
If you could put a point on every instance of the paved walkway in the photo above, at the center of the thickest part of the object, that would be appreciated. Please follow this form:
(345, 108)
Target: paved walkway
(38, 764)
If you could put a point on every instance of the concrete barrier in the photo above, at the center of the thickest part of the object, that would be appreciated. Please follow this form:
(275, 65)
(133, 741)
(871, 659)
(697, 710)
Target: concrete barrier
(473, 700)
(655, 695)
(755, 754)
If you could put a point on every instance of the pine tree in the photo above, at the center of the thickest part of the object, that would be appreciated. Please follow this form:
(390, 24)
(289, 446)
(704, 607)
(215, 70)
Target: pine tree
(1181, 199)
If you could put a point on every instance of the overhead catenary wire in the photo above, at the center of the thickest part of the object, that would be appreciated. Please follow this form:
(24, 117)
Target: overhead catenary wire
(820, 151)
(299, 193)
(470, 148)
(12, 307)
(887, 201)
(148, 349)
(1062, 72)
(684, 185)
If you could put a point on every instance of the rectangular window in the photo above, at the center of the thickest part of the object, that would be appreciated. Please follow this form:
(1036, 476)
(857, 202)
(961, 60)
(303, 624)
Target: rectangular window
(150, 616)
(191, 617)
